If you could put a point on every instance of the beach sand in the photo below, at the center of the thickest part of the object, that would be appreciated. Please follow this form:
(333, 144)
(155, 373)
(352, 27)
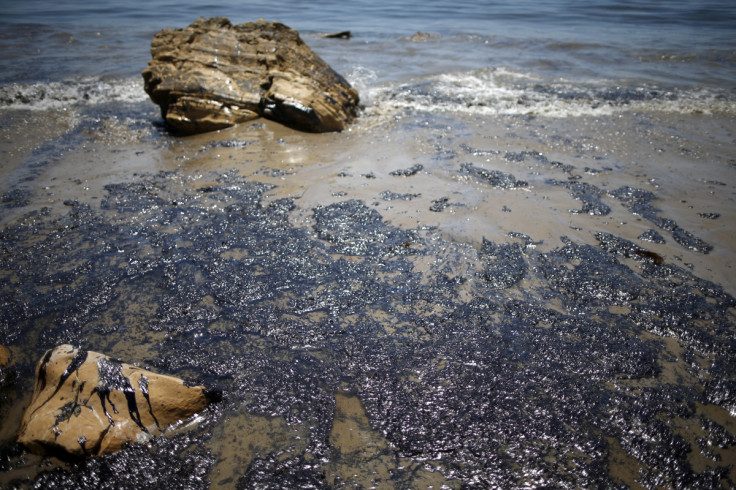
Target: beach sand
(687, 162)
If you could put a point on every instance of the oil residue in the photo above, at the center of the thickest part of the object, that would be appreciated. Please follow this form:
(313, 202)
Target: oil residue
(355, 352)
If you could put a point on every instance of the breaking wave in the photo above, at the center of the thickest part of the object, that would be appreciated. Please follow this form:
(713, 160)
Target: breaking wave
(489, 91)
(89, 91)
(499, 91)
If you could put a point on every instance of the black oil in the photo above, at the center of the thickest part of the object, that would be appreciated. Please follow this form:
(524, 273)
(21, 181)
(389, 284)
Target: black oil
(588, 194)
(581, 366)
(495, 178)
(639, 202)
(77, 361)
(112, 379)
(408, 172)
(143, 387)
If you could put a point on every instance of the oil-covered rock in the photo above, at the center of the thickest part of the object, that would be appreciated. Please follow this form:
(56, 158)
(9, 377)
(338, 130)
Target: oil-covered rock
(86, 404)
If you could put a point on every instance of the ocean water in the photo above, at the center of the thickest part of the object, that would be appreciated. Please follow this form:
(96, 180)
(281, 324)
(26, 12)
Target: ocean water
(550, 57)
(514, 269)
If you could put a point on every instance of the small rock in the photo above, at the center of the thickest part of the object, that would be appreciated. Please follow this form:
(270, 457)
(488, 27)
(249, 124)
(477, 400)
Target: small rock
(6, 373)
(4, 356)
(86, 404)
(421, 36)
(337, 35)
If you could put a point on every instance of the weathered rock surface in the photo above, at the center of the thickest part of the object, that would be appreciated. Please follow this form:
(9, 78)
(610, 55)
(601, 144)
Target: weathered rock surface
(85, 403)
(212, 75)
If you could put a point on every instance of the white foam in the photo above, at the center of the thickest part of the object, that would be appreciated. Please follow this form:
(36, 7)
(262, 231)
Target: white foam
(501, 91)
(55, 95)
(360, 78)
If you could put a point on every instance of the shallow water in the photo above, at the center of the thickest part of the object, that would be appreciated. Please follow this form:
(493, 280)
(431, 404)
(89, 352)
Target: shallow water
(499, 276)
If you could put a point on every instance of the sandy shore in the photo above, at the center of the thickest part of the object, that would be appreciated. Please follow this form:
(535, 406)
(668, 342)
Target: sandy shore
(421, 174)
(687, 161)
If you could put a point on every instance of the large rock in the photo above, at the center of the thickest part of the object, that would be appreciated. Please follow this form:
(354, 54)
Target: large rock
(212, 75)
(85, 403)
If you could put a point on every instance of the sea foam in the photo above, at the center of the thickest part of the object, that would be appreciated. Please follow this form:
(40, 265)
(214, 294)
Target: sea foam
(89, 91)
(501, 91)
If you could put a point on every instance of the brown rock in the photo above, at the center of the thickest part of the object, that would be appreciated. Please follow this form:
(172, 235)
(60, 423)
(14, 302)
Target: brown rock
(421, 36)
(85, 403)
(213, 75)
(4, 356)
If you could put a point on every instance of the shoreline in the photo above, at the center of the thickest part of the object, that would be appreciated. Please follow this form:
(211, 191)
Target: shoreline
(685, 161)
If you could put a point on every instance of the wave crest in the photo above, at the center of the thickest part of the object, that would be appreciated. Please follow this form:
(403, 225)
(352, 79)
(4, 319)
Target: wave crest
(55, 95)
(500, 91)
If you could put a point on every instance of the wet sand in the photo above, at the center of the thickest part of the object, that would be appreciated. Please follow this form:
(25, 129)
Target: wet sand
(688, 163)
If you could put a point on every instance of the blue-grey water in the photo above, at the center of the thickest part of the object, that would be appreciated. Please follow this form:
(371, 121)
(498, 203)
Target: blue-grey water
(668, 44)
(527, 280)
